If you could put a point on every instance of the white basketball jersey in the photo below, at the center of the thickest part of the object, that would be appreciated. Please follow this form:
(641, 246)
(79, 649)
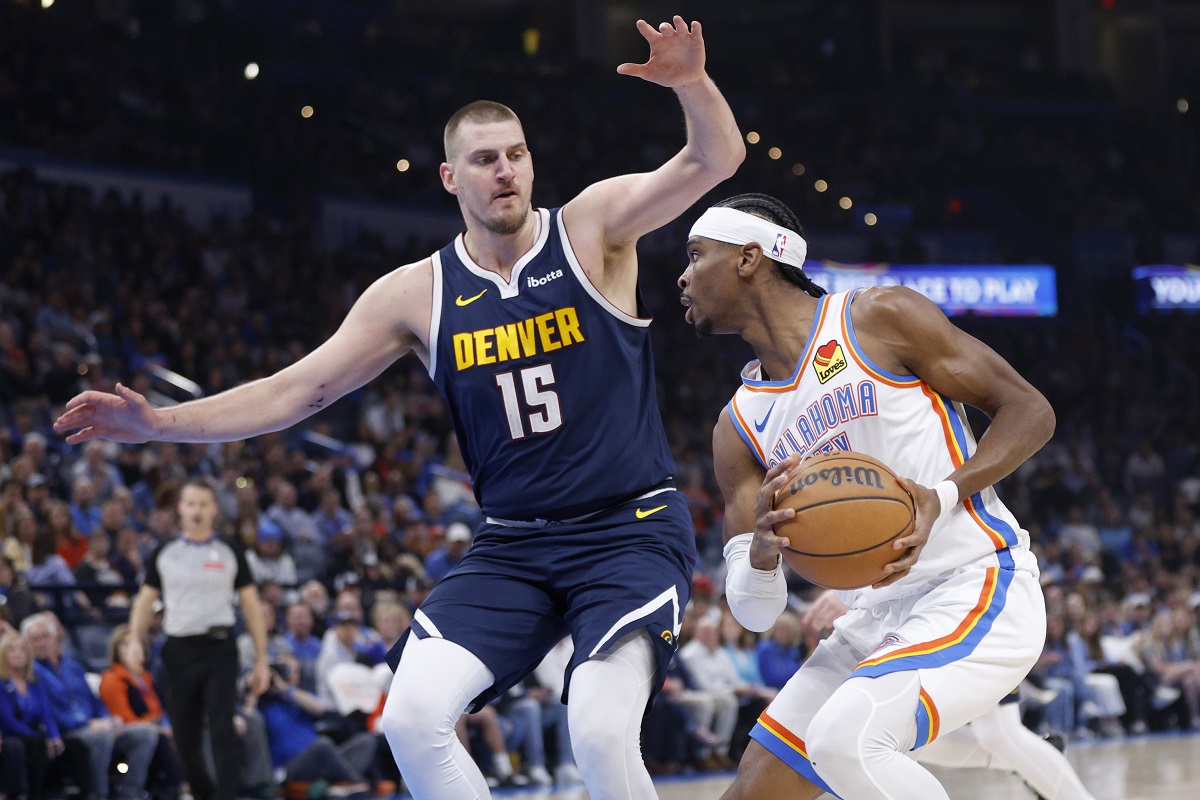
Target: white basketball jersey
(837, 399)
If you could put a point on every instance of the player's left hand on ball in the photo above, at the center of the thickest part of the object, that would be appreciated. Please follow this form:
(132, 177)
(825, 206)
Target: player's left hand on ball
(676, 54)
(927, 506)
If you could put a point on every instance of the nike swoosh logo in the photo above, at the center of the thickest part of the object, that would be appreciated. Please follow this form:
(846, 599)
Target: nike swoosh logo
(458, 301)
(759, 426)
(643, 514)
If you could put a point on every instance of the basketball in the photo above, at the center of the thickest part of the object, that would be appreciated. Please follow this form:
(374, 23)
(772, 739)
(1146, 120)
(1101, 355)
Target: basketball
(849, 509)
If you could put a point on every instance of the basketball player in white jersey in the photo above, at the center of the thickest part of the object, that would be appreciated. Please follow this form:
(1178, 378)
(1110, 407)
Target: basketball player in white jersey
(959, 619)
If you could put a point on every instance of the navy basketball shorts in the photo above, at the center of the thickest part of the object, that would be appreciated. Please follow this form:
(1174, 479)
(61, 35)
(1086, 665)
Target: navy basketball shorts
(519, 591)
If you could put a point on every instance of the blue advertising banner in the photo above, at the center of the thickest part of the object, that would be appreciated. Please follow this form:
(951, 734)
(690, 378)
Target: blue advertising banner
(1028, 290)
(1167, 286)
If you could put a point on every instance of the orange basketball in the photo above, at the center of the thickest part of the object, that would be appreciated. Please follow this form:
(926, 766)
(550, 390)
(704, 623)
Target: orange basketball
(849, 509)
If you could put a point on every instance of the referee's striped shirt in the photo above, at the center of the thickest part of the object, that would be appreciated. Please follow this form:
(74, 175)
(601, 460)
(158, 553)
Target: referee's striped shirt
(198, 582)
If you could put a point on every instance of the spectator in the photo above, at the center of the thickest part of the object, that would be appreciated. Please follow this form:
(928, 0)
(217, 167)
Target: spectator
(49, 570)
(277, 644)
(338, 647)
(306, 546)
(14, 594)
(291, 714)
(1172, 654)
(1103, 700)
(442, 560)
(714, 673)
(104, 477)
(298, 633)
(30, 735)
(268, 560)
(550, 676)
(128, 693)
(68, 541)
(18, 547)
(96, 574)
(84, 509)
(84, 722)
(780, 652)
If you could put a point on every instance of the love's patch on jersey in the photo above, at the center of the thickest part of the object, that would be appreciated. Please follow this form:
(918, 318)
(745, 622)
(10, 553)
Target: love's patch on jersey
(829, 360)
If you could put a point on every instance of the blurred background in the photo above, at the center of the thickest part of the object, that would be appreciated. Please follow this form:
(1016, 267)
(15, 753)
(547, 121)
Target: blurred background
(193, 192)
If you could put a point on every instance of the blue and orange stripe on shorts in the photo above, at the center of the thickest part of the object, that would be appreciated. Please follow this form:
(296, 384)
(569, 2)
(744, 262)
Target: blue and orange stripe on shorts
(787, 747)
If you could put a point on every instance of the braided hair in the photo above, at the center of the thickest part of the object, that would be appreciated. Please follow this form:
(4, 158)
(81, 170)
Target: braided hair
(773, 210)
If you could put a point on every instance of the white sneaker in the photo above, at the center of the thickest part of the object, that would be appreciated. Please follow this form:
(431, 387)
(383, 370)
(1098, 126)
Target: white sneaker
(1165, 695)
(568, 775)
(540, 776)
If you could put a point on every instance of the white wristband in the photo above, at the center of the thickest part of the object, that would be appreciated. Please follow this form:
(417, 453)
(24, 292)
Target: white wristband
(947, 492)
(756, 597)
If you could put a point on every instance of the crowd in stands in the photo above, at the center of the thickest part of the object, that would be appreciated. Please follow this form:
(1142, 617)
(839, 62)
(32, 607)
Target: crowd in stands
(351, 518)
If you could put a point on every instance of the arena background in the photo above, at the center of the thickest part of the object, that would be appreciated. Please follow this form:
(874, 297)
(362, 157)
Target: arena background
(192, 193)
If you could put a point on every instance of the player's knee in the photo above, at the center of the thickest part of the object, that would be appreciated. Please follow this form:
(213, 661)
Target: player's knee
(834, 742)
(413, 721)
(597, 738)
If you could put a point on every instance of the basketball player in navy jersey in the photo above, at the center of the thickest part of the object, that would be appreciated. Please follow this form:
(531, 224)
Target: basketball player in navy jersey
(530, 323)
(959, 618)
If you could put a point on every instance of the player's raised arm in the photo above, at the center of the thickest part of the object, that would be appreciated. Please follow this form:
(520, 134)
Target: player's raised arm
(622, 209)
(380, 328)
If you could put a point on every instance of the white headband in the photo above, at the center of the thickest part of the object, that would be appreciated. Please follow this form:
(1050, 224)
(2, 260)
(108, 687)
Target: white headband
(737, 227)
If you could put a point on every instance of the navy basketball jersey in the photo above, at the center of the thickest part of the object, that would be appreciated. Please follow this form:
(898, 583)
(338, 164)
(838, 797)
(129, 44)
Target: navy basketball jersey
(550, 386)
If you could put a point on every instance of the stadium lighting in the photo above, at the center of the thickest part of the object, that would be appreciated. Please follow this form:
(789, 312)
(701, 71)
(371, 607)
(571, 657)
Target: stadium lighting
(47, 3)
(820, 186)
(306, 112)
(752, 137)
(797, 169)
(402, 165)
(774, 153)
(1181, 105)
(122, 767)
(845, 203)
(251, 70)
(870, 218)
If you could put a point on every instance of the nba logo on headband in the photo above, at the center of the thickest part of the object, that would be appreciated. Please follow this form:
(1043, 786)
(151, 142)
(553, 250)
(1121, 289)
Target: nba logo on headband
(780, 243)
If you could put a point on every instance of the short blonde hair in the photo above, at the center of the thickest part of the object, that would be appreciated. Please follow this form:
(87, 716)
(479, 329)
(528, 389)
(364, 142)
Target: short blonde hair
(480, 112)
(6, 643)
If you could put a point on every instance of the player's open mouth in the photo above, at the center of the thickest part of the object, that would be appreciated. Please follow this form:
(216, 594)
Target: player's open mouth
(687, 303)
(505, 194)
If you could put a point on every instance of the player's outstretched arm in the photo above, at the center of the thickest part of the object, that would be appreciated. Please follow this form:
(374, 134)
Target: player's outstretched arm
(622, 209)
(378, 330)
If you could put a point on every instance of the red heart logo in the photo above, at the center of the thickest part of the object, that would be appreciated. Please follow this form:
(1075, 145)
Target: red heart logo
(825, 352)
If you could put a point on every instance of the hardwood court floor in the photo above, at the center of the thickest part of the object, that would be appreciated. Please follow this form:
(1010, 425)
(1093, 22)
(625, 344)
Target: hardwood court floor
(1165, 767)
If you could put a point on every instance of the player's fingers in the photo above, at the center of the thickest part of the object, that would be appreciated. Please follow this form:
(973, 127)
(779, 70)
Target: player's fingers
(681, 27)
(773, 518)
(889, 580)
(84, 435)
(82, 399)
(647, 30)
(637, 70)
(667, 30)
(697, 31)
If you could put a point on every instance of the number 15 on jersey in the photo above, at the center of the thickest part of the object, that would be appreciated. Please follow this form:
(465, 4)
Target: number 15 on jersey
(546, 413)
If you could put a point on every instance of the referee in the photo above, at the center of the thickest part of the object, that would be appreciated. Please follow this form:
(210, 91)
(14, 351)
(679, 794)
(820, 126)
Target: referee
(197, 575)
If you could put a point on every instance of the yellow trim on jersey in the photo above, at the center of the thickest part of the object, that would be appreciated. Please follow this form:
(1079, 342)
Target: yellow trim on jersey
(808, 351)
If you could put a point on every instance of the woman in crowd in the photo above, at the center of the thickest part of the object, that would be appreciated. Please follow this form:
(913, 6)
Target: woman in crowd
(30, 735)
(1172, 654)
(127, 690)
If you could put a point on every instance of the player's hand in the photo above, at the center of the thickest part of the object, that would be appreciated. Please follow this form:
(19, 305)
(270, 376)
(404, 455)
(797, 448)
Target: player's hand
(676, 54)
(822, 613)
(927, 506)
(122, 417)
(764, 549)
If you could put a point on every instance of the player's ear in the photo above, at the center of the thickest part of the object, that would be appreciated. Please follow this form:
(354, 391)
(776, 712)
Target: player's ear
(749, 259)
(446, 172)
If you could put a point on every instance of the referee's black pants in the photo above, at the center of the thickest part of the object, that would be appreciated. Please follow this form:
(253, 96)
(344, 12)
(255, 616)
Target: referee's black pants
(203, 687)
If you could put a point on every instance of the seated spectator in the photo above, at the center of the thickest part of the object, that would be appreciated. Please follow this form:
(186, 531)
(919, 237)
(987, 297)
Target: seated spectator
(496, 762)
(84, 510)
(291, 716)
(83, 720)
(1172, 654)
(277, 645)
(780, 652)
(96, 575)
(368, 647)
(338, 647)
(457, 541)
(1103, 700)
(298, 633)
(70, 541)
(550, 675)
(305, 545)
(268, 560)
(48, 569)
(31, 737)
(14, 594)
(128, 692)
(18, 547)
(389, 620)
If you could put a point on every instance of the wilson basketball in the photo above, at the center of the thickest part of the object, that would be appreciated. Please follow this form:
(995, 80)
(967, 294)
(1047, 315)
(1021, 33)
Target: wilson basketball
(849, 509)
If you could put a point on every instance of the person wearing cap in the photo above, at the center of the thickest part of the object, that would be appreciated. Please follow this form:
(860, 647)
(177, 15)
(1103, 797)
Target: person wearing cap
(268, 560)
(338, 647)
(441, 560)
(198, 575)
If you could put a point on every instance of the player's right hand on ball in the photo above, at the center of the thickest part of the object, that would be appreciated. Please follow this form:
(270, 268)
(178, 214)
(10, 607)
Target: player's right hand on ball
(764, 550)
(122, 417)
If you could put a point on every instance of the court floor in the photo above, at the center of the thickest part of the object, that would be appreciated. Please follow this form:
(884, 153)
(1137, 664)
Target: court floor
(1163, 767)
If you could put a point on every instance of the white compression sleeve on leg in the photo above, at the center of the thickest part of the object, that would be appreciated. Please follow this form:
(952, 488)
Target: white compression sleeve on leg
(756, 597)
